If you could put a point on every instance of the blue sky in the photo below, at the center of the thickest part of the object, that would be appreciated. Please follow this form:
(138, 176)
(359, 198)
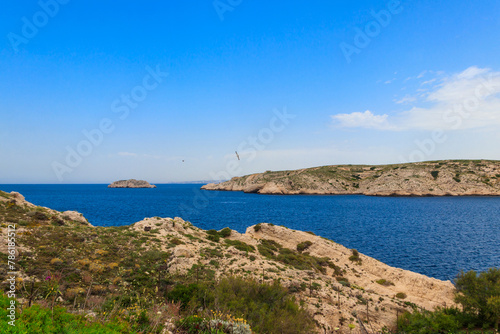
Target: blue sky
(168, 91)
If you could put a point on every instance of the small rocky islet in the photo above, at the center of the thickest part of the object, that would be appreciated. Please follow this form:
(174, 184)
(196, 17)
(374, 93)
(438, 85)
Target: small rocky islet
(132, 183)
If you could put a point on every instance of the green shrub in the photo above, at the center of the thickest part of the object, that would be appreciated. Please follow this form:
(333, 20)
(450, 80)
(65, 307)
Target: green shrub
(225, 232)
(355, 256)
(303, 246)
(38, 215)
(401, 295)
(240, 245)
(344, 281)
(435, 174)
(214, 238)
(176, 241)
(211, 252)
(262, 305)
(37, 319)
(479, 295)
(337, 271)
(384, 282)
(268, 248)
(302, 261)
(257, 227)
(214, 263)
(192, 324)
(426, 322)
(212, 232)
(184, 293)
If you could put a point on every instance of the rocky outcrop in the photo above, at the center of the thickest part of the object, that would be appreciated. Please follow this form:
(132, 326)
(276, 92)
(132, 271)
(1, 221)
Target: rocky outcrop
(433, 178)
(132, 183)
(43, 213)
(341, 290)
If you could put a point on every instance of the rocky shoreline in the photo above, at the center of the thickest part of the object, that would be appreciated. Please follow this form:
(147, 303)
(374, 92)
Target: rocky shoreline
(434, 178)
(332, 282)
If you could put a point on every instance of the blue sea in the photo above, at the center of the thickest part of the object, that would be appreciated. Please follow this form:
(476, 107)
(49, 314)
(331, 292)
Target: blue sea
(435, 236)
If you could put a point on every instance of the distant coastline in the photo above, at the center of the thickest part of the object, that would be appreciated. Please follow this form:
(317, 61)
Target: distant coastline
(433, 178)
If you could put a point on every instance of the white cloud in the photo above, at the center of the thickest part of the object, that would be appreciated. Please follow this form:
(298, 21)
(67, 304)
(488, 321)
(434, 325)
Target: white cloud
(466, 100)
(363, 120)
(473, 83)
(472, 72)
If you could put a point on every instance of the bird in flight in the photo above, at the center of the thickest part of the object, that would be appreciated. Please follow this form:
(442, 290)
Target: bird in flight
(237, 155)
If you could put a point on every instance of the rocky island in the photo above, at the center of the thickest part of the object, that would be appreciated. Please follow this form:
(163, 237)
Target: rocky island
(432, 178)
(132, 183)
(122, 272)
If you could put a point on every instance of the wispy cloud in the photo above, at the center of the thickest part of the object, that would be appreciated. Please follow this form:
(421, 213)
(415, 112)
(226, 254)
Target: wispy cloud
(405, 100)
(421, 75)
(466, 100)
(428, 82)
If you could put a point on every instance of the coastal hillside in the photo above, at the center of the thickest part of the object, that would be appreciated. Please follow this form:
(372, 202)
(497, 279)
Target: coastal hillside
(432, 178)
(139, 272)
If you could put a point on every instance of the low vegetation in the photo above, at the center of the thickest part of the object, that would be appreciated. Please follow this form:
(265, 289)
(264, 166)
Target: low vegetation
(302, 261)
(82, 279)
(269, 308)
(355, 257)
(384, 282)
(303, 246)
(479, 298)
(37, 319)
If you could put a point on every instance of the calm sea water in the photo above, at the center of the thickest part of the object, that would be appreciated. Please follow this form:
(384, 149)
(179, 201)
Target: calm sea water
(435, 236)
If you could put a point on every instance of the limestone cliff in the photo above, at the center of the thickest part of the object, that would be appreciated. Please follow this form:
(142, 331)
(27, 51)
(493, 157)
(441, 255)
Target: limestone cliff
(433, 178)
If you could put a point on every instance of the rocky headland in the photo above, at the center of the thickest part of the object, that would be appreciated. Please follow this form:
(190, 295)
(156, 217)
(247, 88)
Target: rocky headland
(132, 183)
(432, 178)
(336, 285)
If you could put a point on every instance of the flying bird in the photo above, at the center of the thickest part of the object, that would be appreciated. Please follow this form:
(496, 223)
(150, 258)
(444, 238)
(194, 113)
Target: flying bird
(237, 155)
